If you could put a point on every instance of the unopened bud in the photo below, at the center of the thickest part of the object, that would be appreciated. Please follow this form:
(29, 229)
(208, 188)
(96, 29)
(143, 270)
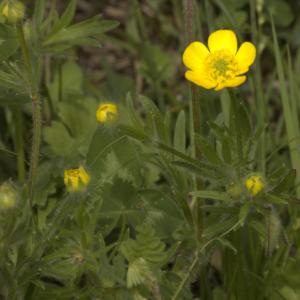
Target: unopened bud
(13, 11)
(8, 196)
(254, 184)
(235, 190)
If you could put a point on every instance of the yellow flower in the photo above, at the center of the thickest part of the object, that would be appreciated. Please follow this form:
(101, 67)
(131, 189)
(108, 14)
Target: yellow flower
(13, 11)
(221, 64)
(107, 113)
(254, 184)
(76, 179)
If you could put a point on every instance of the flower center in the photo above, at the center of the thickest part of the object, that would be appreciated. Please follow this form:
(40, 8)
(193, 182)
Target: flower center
(221, 66)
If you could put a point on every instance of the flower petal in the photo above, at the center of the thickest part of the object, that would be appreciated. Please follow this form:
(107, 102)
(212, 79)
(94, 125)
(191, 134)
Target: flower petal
(194, 55)
(245, 56)
(84, 176)
(222, 39)
(231, 83)
(74, 183)
(200, 79)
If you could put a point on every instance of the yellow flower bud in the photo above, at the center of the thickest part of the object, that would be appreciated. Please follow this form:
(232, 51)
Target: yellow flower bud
(13, 11)
(76, 179)
(107, 113)
(8, 196)
(254, 184)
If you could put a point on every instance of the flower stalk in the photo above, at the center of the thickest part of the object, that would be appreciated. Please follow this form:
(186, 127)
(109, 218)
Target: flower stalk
(234, 107)
(195, 113)
(36, 141)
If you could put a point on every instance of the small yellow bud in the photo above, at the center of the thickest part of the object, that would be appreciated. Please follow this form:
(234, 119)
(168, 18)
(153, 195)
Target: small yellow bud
(254, 184)
(8, 196)
(107, 113)
(13, 11)
(76, 179)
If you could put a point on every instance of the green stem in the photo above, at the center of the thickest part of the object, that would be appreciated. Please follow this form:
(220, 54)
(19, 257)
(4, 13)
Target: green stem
(195, 128)
(36, 141)
(259, 95)
(19, 143)
(36, 110)
(237, 129)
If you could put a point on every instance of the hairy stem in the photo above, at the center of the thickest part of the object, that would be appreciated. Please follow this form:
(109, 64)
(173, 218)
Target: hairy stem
(19, 143)
(36, 110)
(36, 141)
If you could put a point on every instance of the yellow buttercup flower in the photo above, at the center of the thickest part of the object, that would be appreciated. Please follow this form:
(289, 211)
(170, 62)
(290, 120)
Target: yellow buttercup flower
(221, 64)
(107, 113)
(254, 184)
(13, 11)
(76, 179)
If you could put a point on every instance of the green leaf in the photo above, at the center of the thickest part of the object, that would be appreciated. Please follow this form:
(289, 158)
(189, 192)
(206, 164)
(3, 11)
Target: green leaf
(214, 195)
(228, 245)
(222, 135)
(223, 226)
(67, 83)
(226, 150)
(38, 14)
(133, 132)
(8, 41)
(136, 120)
(105, 141)
(146, 245)
(66, 17)
(79, 117)
(58, 139)
(286, 183)
(276, 200)
(155, 120)
(293, 132)
(208, 150)
(180, 133)
(76, 33)
(244, 122)
(8, 98)
(244, 212)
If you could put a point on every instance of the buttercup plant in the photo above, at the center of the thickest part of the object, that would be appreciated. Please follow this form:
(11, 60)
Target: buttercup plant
(173, 195)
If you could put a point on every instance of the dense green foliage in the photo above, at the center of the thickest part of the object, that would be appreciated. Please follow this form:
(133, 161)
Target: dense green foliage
(167, 214)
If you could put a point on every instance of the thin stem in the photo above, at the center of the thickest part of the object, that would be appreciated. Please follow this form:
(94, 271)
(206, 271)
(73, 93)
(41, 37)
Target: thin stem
(259, 95)
(36, 141)
(36, 111)
(19, 143)
(188, 274)
(196, 258)
(237, 129)
(195, 113)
